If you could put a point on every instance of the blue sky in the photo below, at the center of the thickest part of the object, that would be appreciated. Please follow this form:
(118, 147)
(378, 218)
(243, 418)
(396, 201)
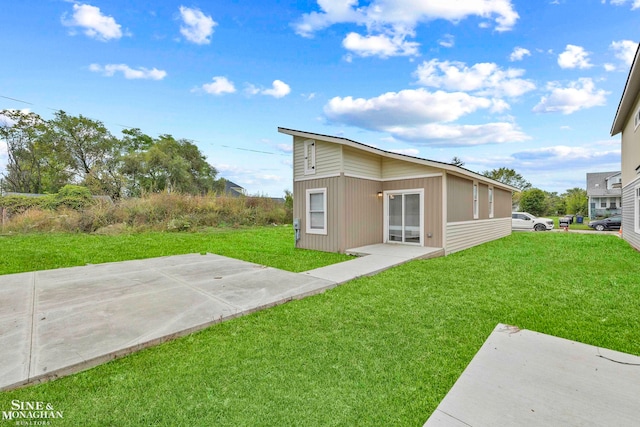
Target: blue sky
(528, 85)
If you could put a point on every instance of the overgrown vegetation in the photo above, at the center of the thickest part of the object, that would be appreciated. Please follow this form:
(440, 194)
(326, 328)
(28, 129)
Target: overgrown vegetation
(381, 350)
(74, 210)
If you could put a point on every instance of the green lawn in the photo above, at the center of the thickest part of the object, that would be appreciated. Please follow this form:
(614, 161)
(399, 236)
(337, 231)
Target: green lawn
(382, 350)
(272, 246)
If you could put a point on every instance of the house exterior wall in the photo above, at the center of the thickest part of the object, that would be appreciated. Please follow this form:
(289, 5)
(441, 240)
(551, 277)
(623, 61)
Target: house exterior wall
(502, 203)
(398, 169)
(361, 164)
(432, 207)
(333, 241)
(465, 234)
(363, 214)
(459, 199)
(483, 201)
(328, 159)
(630, 147)
(630, 214)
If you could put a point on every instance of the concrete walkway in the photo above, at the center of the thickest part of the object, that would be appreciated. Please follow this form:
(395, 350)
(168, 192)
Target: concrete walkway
(524, 378)
(57, 322)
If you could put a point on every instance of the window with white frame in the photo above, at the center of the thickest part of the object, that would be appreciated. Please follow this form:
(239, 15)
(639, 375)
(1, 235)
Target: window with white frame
(603, 202)
(490, 202)
(475, 201)
(309, 157)
(316, 202)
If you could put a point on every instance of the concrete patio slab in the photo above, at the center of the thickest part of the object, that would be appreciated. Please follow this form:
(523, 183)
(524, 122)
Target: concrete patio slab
(524, 378)
(57, 322)
(373, 259)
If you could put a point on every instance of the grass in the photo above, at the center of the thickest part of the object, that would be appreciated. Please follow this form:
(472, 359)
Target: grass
(574, 225)
(272, 246)
(382, 350)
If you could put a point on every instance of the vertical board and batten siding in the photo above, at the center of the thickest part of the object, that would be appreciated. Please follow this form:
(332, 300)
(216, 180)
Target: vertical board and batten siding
(399, 169)
(432, 205)
(361, 164)
(629, 215)
(332, 241)
(459, 199)
(463, 235)
(363, 212)
(502, 203)
(483, 201)
(630, 147)
(328, 158)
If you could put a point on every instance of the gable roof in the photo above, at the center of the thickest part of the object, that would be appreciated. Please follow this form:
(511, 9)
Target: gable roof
(597, 184)
(432, 163)
(631, 90)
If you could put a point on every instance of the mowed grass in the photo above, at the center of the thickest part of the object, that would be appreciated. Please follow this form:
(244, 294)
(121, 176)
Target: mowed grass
(271, 246)
(382, 350)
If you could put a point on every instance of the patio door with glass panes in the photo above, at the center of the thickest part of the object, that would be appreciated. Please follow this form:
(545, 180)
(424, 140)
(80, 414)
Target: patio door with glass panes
(403, 217)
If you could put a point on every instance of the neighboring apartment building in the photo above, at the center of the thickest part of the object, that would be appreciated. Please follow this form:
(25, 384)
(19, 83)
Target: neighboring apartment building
(627, 121)
(604, 190)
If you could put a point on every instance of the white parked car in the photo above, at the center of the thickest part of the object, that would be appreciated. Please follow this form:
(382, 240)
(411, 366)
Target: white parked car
(526, 221)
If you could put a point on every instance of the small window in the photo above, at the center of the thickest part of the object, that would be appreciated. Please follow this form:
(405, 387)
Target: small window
(317, 211)
(475, 201)
(603, 203)
(309, 157)
(490, 202)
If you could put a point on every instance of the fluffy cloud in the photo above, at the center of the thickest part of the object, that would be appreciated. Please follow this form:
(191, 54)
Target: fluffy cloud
(128, 72)
(574, 57)
(576, 96)
(407, 151)
(95, 24)
(483, 78)
(279, 89)
(635, 4)
(421, 116)
(380, 45)
(624, 50)
(219, 86)
(389, 22)
(518, 54)
(197, 27)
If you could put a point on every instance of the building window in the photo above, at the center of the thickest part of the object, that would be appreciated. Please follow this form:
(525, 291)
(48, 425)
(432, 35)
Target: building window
(490, 202)
(612, 204)
(317, 211)
(475, 201)
(603, 203)
(309, 157)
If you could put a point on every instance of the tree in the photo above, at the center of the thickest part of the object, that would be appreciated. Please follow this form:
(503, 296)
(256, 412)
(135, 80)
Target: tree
(534, 201)
(509, 177)
(556, 204)
(457, 161)
(576, 201)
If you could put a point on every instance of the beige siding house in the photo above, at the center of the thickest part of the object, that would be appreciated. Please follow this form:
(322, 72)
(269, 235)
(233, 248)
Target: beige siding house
(627, 122)
(347, 194)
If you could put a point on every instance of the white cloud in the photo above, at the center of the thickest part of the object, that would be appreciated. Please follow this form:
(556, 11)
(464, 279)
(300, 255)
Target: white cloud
(635, 4)
(574, 57)
(576, 96)
(279, 89)
(518, 54)
(285, 148)
(219, 86)
(197, 27)
(380, 45)
(562, 156)
(624, 50)
(447, 40)
(128, 72)
(609, 67)
(441, 135)
(484, 78)
(95, 24)
(420, 116)
(407, 107)
(393, 20)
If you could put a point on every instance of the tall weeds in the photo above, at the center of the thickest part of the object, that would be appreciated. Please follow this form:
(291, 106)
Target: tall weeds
(156, 212)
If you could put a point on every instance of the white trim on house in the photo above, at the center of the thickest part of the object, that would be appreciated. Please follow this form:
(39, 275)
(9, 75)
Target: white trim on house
(309, 157)
(476, 204)
(386, 228)
(310, 178)
(491, 200)
(444, 210)
(308, 211)
(636, 208)
(370, 178)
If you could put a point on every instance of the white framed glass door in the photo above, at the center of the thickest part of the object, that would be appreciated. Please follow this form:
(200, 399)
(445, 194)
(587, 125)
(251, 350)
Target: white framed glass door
(403, 217)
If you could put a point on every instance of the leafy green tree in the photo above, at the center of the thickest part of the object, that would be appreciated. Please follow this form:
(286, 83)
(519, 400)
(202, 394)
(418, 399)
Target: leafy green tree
(457, 161)
(509, 177)
(576, 201)
(556, 204)
(534, 201)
